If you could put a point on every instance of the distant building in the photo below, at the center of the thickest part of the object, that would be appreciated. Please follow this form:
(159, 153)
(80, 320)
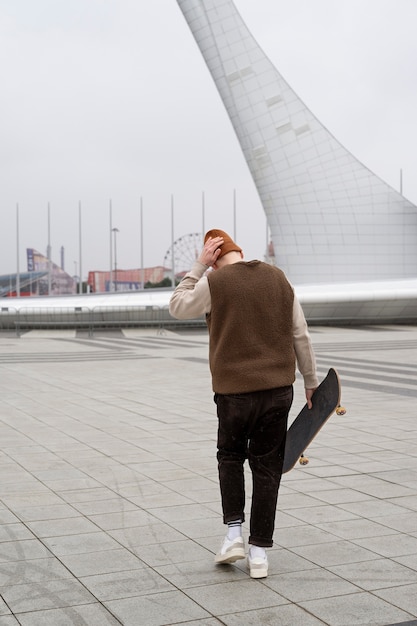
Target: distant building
(30, 284)
(35, 282)
(61, 282)
(126, 280)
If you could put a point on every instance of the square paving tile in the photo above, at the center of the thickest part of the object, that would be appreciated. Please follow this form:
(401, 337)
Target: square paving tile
(200, 573)
(398, 544)
(224, 598)
(47, 594)
(29, 571)
(162, 609)
(378, 574)
(405, 597)
(60, 527)
(334, 553)
(23, 550)
(310, 585)
(80, 544)
(355, 610)
(146, 535)
(125, 584)
(101, 562)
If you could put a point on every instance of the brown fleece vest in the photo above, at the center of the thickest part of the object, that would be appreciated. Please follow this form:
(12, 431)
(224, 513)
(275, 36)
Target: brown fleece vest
(250, 327)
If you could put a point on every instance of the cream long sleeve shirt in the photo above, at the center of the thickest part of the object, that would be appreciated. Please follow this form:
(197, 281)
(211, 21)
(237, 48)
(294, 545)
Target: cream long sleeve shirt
(192, 299)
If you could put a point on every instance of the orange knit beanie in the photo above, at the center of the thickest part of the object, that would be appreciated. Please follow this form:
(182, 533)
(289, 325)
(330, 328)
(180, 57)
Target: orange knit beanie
(228, 244)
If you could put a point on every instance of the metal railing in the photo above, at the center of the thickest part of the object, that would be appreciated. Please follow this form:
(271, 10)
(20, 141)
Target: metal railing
(89, 319)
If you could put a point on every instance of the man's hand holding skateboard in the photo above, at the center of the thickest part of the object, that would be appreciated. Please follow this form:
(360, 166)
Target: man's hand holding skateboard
(309, 395)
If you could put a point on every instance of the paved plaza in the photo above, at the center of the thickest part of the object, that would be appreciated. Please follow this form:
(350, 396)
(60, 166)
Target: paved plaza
(109, 500)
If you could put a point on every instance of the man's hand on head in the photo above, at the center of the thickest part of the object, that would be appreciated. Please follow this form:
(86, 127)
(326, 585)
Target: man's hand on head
(211, 251)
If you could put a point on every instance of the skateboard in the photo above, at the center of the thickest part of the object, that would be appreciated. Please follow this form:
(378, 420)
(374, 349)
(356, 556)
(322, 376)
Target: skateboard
(326, 400)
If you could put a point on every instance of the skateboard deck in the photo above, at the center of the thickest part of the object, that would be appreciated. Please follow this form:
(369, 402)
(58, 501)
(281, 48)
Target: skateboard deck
(307, 424)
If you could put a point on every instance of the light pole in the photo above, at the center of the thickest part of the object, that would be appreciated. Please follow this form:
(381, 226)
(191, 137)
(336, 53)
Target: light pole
(115, 231)
(17, 253)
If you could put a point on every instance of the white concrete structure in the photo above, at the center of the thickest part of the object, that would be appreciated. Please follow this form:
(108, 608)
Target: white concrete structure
(331, 218)
(382, 302)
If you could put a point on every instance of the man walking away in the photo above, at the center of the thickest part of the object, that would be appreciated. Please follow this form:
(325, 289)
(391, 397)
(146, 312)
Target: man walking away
(257, 336)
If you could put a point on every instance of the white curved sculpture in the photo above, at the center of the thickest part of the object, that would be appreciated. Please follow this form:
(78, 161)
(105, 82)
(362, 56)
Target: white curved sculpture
(331, 218)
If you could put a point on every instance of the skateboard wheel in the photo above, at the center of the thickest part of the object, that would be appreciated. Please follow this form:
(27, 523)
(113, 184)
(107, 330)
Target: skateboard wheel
(340, 410)
(303, 460)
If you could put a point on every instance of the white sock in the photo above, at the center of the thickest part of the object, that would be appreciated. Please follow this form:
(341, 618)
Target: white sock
(234, 529)
(256, 552)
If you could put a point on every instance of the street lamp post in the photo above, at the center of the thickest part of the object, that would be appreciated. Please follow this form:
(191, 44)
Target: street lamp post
(115, 231)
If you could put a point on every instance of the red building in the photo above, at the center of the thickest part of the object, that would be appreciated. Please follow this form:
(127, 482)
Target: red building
(126, 280)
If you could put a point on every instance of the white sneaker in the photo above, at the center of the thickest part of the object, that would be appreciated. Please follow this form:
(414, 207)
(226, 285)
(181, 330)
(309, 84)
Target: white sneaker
(231, 551)
(258, 567)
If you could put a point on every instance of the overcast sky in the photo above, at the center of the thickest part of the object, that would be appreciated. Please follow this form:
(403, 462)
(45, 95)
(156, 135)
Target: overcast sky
(110, 100)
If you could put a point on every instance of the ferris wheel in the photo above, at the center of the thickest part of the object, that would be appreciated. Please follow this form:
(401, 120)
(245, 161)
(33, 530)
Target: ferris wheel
(182, 254)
